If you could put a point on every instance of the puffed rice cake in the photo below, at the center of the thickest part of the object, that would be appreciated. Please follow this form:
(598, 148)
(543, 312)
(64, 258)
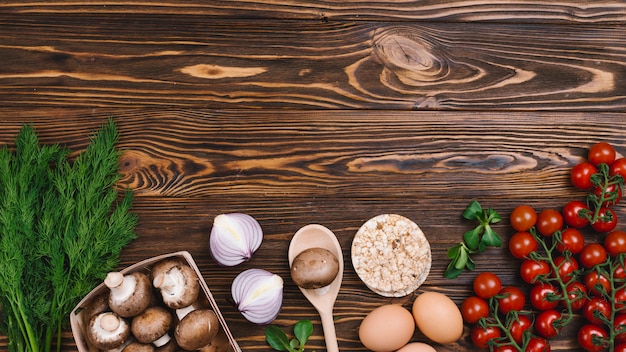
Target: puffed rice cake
(391, 255)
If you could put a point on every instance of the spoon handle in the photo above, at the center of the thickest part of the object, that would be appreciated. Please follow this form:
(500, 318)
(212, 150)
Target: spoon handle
(330, 336)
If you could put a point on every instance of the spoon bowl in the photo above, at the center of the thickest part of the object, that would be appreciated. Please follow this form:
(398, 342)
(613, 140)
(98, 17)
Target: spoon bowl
(323, 299)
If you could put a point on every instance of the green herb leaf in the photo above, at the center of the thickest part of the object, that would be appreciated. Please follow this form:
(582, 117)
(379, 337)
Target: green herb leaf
(277, 339)
(452, 272)
(462, 258)
(491, 238)
(472, 211)
(472, 238)
(303, 330)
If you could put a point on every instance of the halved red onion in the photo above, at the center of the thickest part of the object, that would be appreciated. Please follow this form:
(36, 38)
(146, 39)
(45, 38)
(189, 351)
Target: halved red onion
(234, 238)
(258, 295)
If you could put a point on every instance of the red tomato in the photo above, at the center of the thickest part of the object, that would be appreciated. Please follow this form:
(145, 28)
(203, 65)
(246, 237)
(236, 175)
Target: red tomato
(512, 299)
(601, 153)
(545, 323)
(592, 254)
(619, 273)
(518, 326)
(620, 298)
(537, 344)
(596, 283)
(521, 244)
(577, 294)
(572, 240)
(612, 195)
(572, 214)
(615, 243)
(549, 221)
(619, 322)
(581, 175)
(473, 308)
(487, 285)
(523, 218)
(530, 270)
(544, 296)
(618, 167)
(586, 334)
(596, 306)
(481, 336)
(566, 268)
(504, 348)
(606, 222)
(620, 347)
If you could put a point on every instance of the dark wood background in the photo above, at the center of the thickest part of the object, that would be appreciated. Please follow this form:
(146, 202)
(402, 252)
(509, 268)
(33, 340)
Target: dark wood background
(325, 112)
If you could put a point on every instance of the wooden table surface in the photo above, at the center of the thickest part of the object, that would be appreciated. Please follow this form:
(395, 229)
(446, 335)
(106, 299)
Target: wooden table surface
(327, 112)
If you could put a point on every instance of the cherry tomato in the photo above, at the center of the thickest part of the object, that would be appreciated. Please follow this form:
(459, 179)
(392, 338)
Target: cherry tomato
(596, 283)
(504, 348)
(615, 243)
(592, 254)
(577, 294)
(544, 323)
(544, 296)
(596, 306)
(481, 336)
(612, 195)
(571, 214)
(521, 244)
(512, 299)
(620, 298)
(601, 153)
(549, 221)
(619, 347)
(618, 167)
(530, 270)
(606, 222)
(473, 308)
(487, 285)
(619, 273)
(619, 324)
(566, 268)
(537, 344)
(586, 340)
(581, 175)
(572, 240)
(518, 326)
(523, 218)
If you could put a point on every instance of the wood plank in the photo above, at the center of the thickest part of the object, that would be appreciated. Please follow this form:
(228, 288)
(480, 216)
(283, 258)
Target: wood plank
(139, 61)
(529, 11)
(336, 168)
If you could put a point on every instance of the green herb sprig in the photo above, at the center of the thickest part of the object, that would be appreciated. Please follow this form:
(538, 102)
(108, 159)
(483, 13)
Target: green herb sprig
(62, 228)
(474, 241)
(279, 341)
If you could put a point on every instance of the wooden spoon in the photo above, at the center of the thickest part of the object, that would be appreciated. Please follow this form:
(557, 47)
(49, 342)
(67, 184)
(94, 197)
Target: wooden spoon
(323, 299)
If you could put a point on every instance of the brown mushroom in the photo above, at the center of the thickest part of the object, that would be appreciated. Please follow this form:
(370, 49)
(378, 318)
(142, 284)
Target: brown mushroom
(219, 343)
(137, 346)
(177, 281)
(129, 294)
(97, 305)
(314, 268)
(151, 325)
(107, 331)
(197, 329)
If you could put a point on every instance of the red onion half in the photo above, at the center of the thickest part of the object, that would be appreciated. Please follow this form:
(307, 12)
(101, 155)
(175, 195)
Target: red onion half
(258, 295)
(234, 238)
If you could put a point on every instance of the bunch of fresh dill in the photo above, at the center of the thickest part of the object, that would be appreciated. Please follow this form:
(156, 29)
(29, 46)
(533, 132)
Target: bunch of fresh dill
(63, 225)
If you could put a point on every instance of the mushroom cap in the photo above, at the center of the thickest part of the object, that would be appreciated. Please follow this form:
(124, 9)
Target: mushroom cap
(151, 324)
(314, 268)
(107, 331)
(197, 329)
(97, 305)
(131, 295)
(137, 346)
(219, 343)
(178, 284)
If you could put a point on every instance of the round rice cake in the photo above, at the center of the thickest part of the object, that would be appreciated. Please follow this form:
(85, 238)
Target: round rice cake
(391, 255)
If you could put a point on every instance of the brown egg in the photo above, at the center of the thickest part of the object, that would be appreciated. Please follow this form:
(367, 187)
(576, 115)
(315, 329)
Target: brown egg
(417, 347)
(387, 328)
(438, 317)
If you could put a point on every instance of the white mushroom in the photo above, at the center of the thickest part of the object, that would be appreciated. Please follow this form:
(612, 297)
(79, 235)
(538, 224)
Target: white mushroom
(177, 281)
(107, 331)
(197, 329)
(152, 325)
(129, 294)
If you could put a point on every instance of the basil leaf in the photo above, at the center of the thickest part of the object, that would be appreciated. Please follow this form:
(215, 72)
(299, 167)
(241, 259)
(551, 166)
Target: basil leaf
(472, 211)
(276, 338)
(303, 330)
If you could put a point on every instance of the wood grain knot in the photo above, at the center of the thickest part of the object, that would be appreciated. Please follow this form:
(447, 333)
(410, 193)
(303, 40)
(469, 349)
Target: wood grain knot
(416, 59)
